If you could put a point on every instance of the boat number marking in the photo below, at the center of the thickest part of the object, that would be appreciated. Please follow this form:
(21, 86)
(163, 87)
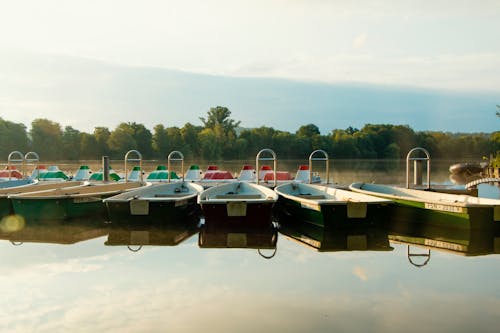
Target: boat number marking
(444, 208)
(86, 199)
(180, 203)
(312, 206)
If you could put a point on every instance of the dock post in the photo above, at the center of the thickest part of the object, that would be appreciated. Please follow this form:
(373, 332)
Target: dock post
(105, 168)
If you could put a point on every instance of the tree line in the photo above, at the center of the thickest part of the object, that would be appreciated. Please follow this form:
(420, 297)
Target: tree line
(220, 137)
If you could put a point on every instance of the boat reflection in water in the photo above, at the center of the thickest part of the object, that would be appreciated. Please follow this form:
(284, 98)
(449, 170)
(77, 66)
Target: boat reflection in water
(242, 234)
(422, 231)
(135, 233)
(348, 237)
(19, 230)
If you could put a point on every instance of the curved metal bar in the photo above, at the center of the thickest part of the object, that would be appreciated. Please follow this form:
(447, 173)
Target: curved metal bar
(171, 158)
(139, 247)
(416, 159)
(267, 257)
(324, 158)
(32, 158)
(17, 161)
(425, 255)
(481, 181)
(258, 158)
(137, 159)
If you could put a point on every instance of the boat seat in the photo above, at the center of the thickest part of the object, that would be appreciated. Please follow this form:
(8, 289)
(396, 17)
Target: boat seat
(238, 196)
(312, 196)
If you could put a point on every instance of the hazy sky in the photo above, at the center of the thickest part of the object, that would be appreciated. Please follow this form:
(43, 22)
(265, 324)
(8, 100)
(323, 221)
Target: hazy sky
(433, 44)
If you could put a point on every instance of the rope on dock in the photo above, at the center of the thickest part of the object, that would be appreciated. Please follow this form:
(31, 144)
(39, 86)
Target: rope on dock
(481, 181)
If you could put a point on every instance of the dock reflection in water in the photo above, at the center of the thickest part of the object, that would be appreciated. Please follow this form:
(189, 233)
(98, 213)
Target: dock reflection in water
(136, 233)
(19, 230)
(241, 234)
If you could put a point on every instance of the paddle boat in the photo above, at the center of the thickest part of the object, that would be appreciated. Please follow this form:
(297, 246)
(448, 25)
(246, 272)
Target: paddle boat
(161, 174)
(6, 204)
(52, 173)
(73, 201)
(247, 173)
(83, 173)
(194, 173)
(38, 170)
(158, 202)
(68, 202)
(98, 176)
(435, 206)
(165, 173)
(213, 174)
(11, 176)
(238, 201)
(327, 206)
(267, 175)
(444, 209)
(10, 172)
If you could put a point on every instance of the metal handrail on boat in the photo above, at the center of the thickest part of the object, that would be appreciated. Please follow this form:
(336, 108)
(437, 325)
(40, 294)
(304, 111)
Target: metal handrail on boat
(137, 159)
(32, 158)
(417, 166)
(258, 158)
(324, 158)
(171, 158)
(476, 182)
(17, 161)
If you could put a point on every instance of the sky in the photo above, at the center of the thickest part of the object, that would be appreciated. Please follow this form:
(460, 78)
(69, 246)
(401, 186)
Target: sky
(444, 45)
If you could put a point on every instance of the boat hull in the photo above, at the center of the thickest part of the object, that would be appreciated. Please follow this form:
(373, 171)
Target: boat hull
(151, 211)
(259, 213)
(59, 208)
(327, 214)
(436, 209)
(5, 207)
(443, 216)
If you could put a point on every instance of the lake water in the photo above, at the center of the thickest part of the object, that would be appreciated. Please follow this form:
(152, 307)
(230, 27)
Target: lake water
(87, 276)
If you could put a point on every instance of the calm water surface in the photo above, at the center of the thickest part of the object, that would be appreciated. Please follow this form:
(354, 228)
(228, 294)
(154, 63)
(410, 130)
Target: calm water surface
(82, 276)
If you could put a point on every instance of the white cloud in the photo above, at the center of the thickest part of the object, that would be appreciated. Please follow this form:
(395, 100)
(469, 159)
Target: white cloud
(360, 273)
(359, 41)
(186, 305)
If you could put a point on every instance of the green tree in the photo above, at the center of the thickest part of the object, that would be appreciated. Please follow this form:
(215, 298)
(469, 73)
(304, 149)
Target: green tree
(101, 135)
(46, 137)
(12, 137)
(121, 140)
(160, 141)
(220, 116)
(71, 139)
(88, 147)
(189, 135)
(143, 139)
(210, 147)
(308, 131)
(223, 130)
